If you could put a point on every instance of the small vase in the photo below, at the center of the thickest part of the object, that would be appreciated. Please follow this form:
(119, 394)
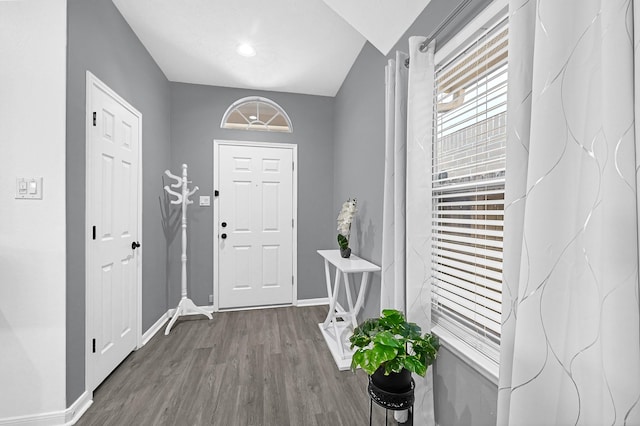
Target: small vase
(345, 253)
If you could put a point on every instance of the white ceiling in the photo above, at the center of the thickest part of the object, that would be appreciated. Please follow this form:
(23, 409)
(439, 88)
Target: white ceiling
(382, 22)
(303, 46)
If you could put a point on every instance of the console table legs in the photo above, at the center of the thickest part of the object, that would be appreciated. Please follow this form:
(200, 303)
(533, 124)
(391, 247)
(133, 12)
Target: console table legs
(341, 320)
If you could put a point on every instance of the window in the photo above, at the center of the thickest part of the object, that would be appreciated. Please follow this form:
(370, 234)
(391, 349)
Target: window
(468, 191)
(256, 113)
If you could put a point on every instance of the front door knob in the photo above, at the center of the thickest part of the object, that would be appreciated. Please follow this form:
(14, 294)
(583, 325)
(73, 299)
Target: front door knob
(223, 224)
(223, 236)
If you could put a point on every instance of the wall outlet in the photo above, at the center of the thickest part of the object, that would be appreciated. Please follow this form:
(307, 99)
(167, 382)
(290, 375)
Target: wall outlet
(211, 298)
(205, 200)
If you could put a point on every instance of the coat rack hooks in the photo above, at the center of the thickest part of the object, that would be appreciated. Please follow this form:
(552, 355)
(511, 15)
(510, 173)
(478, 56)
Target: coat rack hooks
(186, 305)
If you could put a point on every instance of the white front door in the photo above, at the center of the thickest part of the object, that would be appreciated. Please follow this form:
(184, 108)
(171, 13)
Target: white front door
(255, 228)
(113, 139)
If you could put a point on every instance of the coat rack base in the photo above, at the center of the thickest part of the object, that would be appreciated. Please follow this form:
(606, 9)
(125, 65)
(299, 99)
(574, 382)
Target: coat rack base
(185, 307)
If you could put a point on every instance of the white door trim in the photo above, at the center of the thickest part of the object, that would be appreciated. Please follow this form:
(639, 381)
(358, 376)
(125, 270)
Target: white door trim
(294, 252)
(92, 80)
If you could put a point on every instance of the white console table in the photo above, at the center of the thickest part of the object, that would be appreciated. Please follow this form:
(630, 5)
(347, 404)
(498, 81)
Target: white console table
(336, 333)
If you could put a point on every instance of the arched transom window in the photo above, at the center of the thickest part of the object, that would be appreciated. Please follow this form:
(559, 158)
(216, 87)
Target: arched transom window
(256, 113)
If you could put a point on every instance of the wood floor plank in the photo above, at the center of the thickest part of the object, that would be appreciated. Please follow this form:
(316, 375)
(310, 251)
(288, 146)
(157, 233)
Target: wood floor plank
(266, 367)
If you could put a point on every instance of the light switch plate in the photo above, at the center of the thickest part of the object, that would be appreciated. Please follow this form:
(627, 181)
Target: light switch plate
(29, 188)
(205, 200)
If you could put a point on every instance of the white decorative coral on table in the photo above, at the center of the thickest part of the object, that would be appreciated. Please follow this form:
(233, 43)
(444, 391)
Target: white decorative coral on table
(345, 219)
(346, 216)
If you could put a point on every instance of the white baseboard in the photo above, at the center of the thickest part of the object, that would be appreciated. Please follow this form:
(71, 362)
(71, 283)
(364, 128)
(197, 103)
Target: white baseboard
(43, 419)
(157, 326)
(313, 302)
(252, 308)
(56, 418)
(78, 408)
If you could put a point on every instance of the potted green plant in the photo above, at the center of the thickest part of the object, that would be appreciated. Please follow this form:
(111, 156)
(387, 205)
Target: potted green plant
(389, 349)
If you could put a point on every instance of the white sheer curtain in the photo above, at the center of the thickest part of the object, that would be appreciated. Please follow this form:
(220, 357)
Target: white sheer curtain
(571, 326)
(395, 160)
(409, 112)
(419, 153)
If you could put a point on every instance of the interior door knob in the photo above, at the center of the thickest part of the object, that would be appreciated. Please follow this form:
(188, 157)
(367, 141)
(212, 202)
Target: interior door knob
(223, 224)
(135, 245)
(223, 236)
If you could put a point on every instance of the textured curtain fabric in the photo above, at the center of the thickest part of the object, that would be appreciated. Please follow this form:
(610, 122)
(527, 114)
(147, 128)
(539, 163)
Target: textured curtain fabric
(571, 327)
(419, 154)
(393, 217)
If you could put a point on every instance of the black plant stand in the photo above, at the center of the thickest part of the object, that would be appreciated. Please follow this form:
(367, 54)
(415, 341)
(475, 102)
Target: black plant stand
(389, 401)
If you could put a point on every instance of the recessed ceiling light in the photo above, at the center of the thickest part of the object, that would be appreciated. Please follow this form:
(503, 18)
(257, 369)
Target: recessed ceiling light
(245, 49)
(253, 117)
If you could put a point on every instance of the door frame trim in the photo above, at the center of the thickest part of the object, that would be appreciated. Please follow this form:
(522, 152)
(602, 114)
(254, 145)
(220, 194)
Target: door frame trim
(92, 80)
(294, 243)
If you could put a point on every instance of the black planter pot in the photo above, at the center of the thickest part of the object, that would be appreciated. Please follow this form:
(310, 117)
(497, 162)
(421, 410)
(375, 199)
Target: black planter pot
(345, 253)
(394, 382)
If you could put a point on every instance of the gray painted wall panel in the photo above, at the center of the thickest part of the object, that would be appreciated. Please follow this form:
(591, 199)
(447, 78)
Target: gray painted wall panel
(462, 396)
(101, 41)
(196, 113)
(359, 172)
(359, 160)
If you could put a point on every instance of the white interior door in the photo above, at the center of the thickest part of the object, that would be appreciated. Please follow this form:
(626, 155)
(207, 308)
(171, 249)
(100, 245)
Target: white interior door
(113, 218)
(255, 226)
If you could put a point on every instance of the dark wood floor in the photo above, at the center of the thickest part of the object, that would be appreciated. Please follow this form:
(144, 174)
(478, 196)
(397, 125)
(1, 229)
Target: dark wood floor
(265, 368)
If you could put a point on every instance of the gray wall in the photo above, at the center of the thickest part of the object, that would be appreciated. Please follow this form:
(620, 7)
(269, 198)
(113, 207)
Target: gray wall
(99, 40)
(359, 172)
(196, 113)
(462, 396)
(359, 160)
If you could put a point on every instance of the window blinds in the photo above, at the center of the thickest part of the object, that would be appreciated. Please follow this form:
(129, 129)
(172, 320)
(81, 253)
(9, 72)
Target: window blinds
(468, 191)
